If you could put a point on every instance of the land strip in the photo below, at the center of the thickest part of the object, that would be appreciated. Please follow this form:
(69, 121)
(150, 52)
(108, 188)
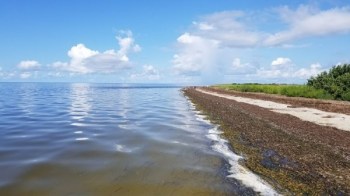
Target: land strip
(296, 156)
(332, 119)
(325, 105)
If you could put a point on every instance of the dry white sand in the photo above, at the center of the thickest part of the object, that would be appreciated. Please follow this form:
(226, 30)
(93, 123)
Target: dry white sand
(340, 121)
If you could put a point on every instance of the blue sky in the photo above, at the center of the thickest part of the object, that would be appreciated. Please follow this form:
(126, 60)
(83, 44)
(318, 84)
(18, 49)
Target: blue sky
(192, 42)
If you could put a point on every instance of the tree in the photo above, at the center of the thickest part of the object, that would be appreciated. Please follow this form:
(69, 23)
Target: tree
(336, 81)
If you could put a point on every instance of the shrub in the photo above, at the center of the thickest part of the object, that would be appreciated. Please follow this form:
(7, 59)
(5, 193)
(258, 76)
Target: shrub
(336, 82)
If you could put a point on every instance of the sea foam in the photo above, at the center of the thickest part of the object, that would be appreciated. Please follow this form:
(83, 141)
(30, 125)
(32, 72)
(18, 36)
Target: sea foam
(236, 171)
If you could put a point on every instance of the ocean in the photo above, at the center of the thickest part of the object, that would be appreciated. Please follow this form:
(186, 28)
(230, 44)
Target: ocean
(110, 139)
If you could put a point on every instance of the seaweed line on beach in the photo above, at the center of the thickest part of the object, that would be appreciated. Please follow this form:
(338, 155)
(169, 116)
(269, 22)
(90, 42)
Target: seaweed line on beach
(296, 156)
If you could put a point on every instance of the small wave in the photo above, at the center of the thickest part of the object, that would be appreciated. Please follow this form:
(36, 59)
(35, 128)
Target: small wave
(215, 131)
(81, 138)
(237, 171)
(177, 142)
(201, 118)
(78, 124)
(122, 148)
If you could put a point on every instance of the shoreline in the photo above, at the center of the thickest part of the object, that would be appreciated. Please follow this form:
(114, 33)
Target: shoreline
(237, 173)
(294, 156)
(336, 106)
(331, 119)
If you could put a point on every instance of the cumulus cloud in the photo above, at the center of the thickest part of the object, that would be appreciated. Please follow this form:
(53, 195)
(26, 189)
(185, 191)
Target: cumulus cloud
(309, 21)
(84, 60)
(284, 68)
(234, 29)
(126, 43)
(229, 28)
(281, 67)
(313, 70)
(273, 73)
(206, 49)
(29, 65)
(149, 73)
(204, 26)
(195, 54)
(281, 62)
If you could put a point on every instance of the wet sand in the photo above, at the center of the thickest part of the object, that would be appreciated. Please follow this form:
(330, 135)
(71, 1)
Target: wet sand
(294, 155)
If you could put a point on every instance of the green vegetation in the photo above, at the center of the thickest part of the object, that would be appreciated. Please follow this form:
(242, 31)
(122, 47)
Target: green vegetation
(335, 82)
(287, 90)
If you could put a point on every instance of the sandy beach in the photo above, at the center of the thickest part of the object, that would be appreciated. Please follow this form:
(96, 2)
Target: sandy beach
(298, 145)
(332, 119)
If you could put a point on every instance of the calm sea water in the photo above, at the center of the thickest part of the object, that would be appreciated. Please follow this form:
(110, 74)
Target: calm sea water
(89, 139)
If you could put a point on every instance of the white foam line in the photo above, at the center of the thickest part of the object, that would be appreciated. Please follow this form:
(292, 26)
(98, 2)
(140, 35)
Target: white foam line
(337, 120)
(200, 118)
(236, 171)
(198, 114)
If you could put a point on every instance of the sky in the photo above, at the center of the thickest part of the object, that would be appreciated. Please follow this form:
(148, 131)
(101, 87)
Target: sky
(182, 42)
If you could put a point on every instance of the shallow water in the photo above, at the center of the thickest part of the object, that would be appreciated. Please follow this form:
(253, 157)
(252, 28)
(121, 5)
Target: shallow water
(89, 139)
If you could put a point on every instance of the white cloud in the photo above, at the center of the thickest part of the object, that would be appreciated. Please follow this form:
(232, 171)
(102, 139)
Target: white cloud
(271, 73)
(281, 67)
(288, 46)
(126, 43)
(235, 29)
(195, 54)
(7, 75)
(309, 21)
(150, 70)
(55, 74)
(29, 65)
(11, 74)
(239, 68)
(80, 52)
(25, 75)
(284, 68)
(281, 62)
(313, 70)
(84, 60)
(149, 73)
(206, 49)
(204, 26)
(236, 63)
(229, 28)
(137, 48)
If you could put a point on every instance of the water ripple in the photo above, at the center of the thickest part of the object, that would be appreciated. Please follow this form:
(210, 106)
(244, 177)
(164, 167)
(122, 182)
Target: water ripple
(83, 139)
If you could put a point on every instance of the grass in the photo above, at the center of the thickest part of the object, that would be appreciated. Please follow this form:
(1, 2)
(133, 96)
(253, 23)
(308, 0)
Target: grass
(279, 89)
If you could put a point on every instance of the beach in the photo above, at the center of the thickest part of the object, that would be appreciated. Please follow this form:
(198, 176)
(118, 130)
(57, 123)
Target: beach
(294, 154)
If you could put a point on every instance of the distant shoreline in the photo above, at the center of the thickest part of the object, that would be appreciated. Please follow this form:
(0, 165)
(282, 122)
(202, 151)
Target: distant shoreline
(294, 155)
